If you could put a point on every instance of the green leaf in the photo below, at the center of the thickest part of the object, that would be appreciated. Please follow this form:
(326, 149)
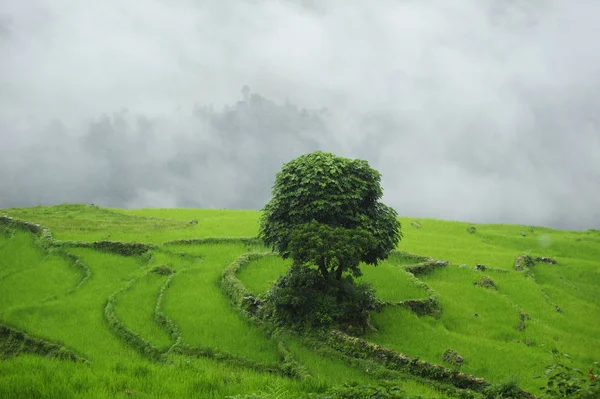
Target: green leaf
(303, 193)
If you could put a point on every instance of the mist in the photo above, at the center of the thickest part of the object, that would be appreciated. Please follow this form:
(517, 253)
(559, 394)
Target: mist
(472, 110)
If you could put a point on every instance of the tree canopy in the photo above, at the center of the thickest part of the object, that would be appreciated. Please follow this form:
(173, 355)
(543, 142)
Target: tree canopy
(325, 211)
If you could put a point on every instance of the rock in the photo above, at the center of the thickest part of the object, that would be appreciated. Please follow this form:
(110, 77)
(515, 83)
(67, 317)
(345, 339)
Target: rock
(546, 260)
(486, 282)
(452, 357)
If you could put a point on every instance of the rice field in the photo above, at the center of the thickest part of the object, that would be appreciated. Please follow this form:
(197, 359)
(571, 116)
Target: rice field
(159, 324)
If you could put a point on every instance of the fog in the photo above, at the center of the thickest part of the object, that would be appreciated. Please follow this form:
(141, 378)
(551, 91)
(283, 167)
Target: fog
(473, 110)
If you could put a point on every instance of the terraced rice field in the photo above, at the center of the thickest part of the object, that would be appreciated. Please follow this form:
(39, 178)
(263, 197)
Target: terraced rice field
(153, 319)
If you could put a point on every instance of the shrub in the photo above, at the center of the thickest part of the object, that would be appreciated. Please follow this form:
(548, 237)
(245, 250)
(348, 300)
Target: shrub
(6, 231)
(303, 299)
(425, 267)
(486, 282)
(428, 306)
(451, 356)
(506, 390)
(523, 262)
(568, 382)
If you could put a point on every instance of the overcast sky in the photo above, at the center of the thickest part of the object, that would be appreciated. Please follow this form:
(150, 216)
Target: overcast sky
(474, 110)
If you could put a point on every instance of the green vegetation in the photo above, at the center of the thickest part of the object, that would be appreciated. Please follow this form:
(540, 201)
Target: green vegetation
(565, 381)
(325, 212)
(304, 300)
(261, 273)
(100, 321)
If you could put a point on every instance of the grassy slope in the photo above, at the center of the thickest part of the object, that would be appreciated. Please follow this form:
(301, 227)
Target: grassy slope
(197, 305)
(36, 297)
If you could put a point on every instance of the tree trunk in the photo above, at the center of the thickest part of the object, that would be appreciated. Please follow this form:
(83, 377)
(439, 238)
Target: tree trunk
(339, 271)
(322, 267)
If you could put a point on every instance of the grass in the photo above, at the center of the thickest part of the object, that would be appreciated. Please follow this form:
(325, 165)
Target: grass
(211, 222)
(335, 371)
(154, 226)
(481, 324)
(196, 303)
(503, 334)
(427, 339)
(135, 307)
(485, 314)
(391, 282)
(36, 377)
(331, 370)
(77, 319)
(25, 265)
(261, 273)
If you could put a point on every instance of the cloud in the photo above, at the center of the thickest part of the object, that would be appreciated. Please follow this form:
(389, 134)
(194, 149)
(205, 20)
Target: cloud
(483, 111)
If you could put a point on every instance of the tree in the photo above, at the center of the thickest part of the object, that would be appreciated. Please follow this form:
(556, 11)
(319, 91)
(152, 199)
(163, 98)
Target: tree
(325, 212)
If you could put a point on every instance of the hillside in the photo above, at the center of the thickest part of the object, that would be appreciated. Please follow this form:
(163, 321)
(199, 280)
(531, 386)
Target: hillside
(98, 302)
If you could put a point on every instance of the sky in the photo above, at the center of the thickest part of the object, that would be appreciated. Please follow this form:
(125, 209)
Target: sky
(484, 111)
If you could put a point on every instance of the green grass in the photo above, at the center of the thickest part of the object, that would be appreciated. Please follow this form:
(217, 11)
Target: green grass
(450, 241)
(427, 339)
(135, 307)
(18, 253)
(211, 222)
(25, 265)
(322, 366)
(29, 376)
(196, 303)
(391, 282)
(259, 274)
(77, 319)
(88, 223)
(486, 314)
(337, 372)
(483, 325)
